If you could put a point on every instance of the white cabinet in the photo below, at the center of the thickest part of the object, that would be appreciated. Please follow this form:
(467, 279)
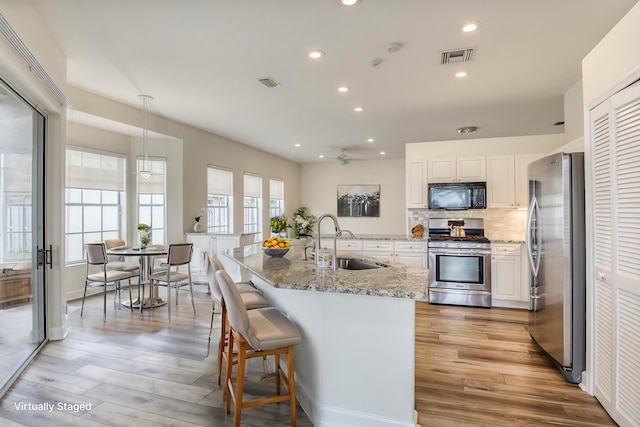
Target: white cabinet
(613, 169)
(507, 180)
(203, 244)
(379, 249)
(507, 289)
(400, 251)
(522, 162)
(457, 169)
(344, 246)
(500, 182)
(411, 253)
(416, 183)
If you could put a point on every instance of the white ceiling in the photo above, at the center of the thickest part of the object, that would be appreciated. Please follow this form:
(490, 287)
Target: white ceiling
(200, 60)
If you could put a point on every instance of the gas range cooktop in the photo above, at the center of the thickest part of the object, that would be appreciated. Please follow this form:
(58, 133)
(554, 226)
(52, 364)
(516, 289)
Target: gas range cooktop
(467, 238)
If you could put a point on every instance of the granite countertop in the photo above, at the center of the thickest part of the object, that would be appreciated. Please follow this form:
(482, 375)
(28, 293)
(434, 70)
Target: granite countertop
(291, 272)
(378, 237)
(507, 241)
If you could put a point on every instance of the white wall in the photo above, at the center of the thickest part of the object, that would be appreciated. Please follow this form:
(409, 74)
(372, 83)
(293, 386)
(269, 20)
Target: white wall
(573, 112)
(318, 192)
(486, 146)
(614, 61)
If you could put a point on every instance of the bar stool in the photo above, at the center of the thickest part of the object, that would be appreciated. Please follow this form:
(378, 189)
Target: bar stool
(257, 333)
(251, 297)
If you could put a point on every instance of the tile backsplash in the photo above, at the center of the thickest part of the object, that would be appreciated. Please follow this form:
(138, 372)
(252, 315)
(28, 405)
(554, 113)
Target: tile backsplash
(499, 224)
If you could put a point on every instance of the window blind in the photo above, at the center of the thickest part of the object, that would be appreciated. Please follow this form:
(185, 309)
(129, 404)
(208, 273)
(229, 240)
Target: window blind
(155, 183)
(276, 189)
(94, 171)
(219, 181)
(252, 186)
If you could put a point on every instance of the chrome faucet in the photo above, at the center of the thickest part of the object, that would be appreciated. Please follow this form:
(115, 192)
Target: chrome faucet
(338, 231)
(309, 243)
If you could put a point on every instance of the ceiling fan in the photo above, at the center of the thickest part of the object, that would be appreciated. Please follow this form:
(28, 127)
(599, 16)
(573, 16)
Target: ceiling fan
(344, 159)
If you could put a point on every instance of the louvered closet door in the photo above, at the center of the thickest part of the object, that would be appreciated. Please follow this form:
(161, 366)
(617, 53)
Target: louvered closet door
(603, 256)
(625, 107)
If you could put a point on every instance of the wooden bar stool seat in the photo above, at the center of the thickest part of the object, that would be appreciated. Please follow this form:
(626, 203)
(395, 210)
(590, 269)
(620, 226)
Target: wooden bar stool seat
(257, 333)
(252, 298)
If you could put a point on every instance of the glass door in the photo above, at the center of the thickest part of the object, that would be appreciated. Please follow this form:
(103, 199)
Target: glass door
(22, 305)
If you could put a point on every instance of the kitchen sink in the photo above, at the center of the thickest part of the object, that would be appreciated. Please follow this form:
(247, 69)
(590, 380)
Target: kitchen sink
(351, 263)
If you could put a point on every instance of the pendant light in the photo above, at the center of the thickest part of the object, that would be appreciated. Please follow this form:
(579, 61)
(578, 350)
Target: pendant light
(145, 172)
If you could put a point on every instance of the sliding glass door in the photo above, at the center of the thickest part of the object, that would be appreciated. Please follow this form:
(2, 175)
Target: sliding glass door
(22, 254)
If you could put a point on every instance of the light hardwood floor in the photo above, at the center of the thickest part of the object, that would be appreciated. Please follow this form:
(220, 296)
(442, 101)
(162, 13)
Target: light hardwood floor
(479, 367)
(135, 370)
(474, 367)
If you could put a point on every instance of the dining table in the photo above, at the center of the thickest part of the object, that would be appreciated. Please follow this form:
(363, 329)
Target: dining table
(145, 257)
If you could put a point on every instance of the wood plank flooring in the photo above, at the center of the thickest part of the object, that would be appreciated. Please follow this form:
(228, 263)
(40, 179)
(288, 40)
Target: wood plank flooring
(135, 369)
(474, 367)
(479, 367)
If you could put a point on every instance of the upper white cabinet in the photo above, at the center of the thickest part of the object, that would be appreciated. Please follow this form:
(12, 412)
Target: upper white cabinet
(522, 162)
(501, 182)
(458, 169)
(416, 181)
(507, 180)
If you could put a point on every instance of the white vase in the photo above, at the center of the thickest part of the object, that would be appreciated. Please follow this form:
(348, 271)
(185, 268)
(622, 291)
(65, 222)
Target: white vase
(198, 227)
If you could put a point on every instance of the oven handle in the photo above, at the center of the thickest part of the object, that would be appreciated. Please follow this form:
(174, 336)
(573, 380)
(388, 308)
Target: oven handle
(458, 252)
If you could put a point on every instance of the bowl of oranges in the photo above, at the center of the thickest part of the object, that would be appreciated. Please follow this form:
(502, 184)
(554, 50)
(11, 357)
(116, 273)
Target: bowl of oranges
(276, 246)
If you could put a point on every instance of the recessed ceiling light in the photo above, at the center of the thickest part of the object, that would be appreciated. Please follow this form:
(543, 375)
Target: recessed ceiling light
(461, 74)
(344, 89)
(382, 153)
(296, 145)
(370, 140)
(358, 109)
(349, 2)
(467, 129)
(321, 156)
(470, 27)
(315, 54)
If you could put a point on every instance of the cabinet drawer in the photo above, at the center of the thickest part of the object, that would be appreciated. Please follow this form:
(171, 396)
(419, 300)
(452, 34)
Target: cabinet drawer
(410, 246)
(512, 249)
(352, 245)
(378, 245)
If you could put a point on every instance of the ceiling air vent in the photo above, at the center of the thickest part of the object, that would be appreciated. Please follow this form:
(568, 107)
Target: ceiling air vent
(456, 55)
(269, 82)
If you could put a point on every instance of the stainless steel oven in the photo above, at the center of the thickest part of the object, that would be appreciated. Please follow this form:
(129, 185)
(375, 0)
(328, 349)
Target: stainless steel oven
(459, 266)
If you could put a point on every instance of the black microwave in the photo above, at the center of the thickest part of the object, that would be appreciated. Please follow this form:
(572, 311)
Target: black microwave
(458, 195)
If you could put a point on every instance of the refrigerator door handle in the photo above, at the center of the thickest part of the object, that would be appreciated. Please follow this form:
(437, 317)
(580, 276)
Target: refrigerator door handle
(533, 214)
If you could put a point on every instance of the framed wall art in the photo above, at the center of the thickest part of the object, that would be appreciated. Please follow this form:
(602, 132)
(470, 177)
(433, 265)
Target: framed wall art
(359, 200)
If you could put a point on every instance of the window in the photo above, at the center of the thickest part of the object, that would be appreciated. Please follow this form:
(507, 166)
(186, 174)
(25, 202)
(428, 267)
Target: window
(94, 200)
(252, 205)
(151, 197)
(219, 200)
(276, 198)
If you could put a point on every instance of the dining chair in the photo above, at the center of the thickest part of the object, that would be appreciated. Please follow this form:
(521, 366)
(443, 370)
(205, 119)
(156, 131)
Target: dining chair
(117, 262)
(96, 254)
(251, 297)
(179, 255)
(257, 333)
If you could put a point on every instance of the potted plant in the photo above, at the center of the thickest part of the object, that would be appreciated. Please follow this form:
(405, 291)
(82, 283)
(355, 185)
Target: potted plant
(145, 234)
(304, 222)
(279, 225)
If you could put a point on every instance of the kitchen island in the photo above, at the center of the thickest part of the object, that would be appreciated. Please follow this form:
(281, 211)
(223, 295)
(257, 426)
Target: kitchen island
(355, 364)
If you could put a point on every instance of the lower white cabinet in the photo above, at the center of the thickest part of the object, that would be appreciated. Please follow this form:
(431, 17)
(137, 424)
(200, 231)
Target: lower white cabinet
(204, 244)
(506, 276)
(400, 251)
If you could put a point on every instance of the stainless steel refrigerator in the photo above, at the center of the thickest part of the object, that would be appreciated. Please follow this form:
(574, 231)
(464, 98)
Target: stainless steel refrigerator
(555, 239)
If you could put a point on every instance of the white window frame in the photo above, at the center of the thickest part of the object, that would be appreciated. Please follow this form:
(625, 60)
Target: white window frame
(276, 197)
(83, 191)
(252, 205)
